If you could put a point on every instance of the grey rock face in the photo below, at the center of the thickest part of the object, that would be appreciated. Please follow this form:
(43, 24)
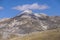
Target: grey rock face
(28, 22)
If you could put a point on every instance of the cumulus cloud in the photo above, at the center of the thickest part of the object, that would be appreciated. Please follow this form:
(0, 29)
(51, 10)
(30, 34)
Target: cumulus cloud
(1, 7)
(34, 6)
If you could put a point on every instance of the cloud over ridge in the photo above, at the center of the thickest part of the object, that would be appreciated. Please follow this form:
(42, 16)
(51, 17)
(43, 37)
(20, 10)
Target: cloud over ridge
(34, 6)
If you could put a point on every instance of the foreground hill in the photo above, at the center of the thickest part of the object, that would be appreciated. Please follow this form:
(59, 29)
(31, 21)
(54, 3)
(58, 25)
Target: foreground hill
(44, 35)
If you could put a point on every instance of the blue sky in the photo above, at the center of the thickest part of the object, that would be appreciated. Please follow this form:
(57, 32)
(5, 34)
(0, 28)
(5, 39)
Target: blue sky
(7, 7)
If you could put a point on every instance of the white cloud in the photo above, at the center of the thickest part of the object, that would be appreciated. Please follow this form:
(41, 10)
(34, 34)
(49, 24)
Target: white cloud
(1, 8)
(34, 6)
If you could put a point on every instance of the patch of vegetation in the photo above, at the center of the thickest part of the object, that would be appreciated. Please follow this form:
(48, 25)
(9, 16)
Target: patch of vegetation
(44, 35)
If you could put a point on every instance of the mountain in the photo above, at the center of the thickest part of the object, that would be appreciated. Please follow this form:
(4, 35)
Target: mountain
(27, 22)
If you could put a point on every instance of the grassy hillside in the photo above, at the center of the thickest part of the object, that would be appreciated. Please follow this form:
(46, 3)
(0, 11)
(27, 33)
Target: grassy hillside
(45, 35)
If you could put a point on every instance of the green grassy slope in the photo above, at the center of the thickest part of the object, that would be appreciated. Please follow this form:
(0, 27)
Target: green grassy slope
(44, 35)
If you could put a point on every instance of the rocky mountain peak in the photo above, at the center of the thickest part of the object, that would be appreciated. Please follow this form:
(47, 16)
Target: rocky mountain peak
(28, 22)
(30, 14)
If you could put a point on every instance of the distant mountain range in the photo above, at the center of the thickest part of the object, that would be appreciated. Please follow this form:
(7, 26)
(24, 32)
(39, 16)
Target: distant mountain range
(27, 22)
